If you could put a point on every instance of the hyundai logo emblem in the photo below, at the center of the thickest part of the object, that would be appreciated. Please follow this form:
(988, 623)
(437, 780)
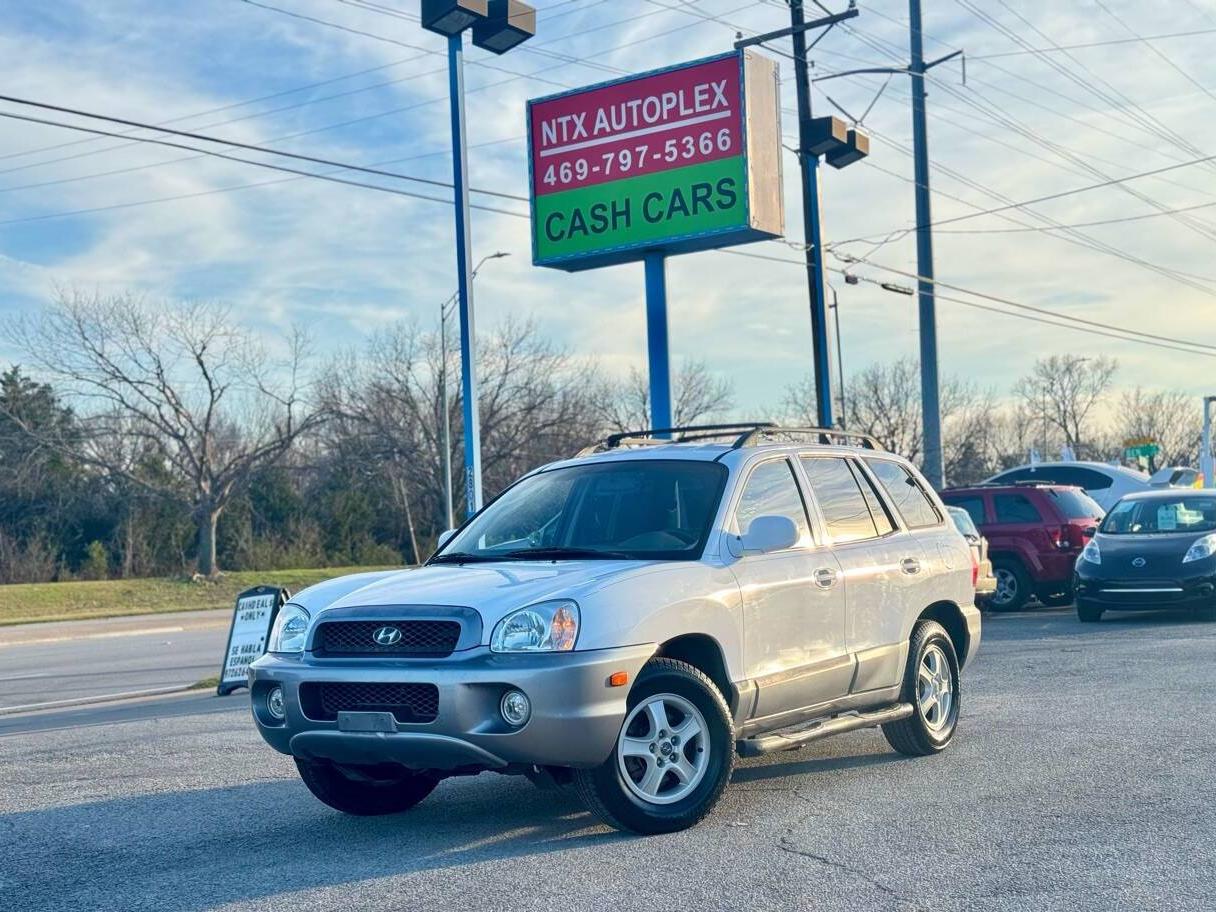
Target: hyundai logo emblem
(387, 636)
(1139, 562)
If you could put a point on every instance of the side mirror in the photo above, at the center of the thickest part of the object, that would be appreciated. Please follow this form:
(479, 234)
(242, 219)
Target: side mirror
(1090, 531)
(444, 537)
(767, 534)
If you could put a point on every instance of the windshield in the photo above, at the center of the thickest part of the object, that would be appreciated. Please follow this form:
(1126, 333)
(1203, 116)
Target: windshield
(1161, 516)
(640, 509)
(1075, 504)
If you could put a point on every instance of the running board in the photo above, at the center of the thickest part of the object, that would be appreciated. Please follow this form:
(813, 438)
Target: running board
(834, 725)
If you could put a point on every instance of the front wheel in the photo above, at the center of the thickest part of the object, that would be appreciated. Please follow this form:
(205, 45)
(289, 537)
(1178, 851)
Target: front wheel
(673, 756)
(1088, 613)
(365, 791)
(932, 686)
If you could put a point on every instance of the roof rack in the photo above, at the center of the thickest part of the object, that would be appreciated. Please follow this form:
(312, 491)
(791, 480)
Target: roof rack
(736, 436)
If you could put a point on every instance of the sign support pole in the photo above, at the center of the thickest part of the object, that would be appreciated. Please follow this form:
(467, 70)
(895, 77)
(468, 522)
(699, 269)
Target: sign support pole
(658, 359)
(1206, 461)
(464, 274)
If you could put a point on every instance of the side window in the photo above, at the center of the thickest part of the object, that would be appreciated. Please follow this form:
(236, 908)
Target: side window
(840, 500)
(1015, 508)
(1017, 475)
(771, 490)
(973, 505)
(905, 492)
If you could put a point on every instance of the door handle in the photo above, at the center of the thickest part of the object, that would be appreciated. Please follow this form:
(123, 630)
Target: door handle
(825, 578)
(909, 565)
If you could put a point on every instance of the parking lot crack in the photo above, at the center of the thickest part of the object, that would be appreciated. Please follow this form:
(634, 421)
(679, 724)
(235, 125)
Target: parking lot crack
(787, 845)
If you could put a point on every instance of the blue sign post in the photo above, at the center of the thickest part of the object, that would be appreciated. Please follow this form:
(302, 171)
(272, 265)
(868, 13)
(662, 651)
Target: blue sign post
(658, 361)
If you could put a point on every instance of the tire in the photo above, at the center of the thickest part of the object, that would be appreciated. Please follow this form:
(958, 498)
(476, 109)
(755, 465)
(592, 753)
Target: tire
(1206, 613)
(362, 792)
(930, 728)
(1012, 585)
(1088, 613)
(629, 791)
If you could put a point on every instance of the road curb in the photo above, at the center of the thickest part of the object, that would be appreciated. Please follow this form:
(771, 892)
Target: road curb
(98, 698)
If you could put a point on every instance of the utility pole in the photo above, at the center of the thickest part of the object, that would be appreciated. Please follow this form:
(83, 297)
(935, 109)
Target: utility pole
(809, 166)
(1206, 462)
(930, 387)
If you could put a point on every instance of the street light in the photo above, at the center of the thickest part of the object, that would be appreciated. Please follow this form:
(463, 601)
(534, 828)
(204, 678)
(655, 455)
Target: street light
(444, 313)
(498, 26)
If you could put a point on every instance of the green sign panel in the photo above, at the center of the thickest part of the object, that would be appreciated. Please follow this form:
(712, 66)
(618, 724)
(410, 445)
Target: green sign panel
(677, 160)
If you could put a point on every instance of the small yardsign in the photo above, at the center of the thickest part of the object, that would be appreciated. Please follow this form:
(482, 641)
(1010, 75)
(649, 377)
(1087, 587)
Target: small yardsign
(682, 159)
(247, 637)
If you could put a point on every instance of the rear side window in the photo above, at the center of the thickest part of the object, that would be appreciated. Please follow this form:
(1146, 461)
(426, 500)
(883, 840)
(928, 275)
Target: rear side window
(1075, 504)
(905, 492)
(772, 491)
(973, 505)
(840, 499)
(1015, 508)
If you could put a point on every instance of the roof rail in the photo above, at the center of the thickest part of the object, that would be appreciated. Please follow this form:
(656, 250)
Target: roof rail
(736, 436)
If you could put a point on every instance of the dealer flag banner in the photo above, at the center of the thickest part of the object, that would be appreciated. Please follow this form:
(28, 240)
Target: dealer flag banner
(682, 159)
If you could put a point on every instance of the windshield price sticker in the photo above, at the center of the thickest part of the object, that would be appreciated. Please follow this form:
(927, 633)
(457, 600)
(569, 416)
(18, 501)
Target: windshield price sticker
(656, 160)
(247, 638)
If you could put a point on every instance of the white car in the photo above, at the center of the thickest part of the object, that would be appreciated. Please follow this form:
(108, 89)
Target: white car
(629, 621)
(1103, 483)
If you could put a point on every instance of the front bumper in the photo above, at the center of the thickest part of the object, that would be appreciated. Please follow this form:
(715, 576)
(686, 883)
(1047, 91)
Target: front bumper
(1137, 594)
(576, 716)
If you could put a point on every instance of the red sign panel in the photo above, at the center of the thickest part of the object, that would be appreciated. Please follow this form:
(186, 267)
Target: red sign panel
(644, 126)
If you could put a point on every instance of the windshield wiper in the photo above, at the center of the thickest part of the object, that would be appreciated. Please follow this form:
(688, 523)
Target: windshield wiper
(463, 557)
(559, 553)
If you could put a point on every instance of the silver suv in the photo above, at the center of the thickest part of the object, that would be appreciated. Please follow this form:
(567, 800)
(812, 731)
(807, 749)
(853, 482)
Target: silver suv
(629, 621)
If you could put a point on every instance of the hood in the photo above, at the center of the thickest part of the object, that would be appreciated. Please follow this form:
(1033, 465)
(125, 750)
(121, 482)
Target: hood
(1162, 553)
(492, 589)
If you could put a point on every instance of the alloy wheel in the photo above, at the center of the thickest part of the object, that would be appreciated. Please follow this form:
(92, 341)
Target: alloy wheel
(663, 749)
(935, 688)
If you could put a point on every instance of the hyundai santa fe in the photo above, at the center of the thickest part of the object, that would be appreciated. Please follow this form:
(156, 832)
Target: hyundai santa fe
(628, 622)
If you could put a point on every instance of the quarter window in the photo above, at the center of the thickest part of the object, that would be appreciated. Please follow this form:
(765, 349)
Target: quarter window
(840, 499)
(772, 491)
(906, 493)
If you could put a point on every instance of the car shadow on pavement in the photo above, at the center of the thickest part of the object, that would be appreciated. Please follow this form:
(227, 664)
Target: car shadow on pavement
(185, 851)
(772, 768)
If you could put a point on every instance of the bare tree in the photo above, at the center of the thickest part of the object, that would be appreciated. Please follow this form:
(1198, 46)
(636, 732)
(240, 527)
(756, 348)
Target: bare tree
(697, 394)
(1170, 417)
(176, 399)
(1061, 392)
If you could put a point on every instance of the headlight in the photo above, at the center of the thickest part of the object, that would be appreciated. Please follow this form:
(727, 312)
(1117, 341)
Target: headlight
(545, 627)
(1091, 552)
(289, 631)
(1204, 547)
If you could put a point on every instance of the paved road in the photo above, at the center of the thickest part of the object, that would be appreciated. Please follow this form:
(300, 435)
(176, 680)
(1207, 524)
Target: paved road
(1082, 778)
(47, 663)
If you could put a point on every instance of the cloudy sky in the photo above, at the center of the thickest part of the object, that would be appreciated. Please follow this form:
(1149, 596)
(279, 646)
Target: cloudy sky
(365, 84)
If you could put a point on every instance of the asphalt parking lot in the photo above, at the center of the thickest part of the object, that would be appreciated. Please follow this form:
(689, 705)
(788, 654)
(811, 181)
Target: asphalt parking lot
(1082, 778)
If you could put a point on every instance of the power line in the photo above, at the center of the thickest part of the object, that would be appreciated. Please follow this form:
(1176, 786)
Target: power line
(1090, 44)
(267, 165)
(232, 143)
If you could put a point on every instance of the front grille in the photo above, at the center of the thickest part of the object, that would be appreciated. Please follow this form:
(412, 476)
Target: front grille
(419, 639)
(323, 700)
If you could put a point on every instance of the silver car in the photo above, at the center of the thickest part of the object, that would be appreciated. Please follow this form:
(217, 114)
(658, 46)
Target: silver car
(630, 621)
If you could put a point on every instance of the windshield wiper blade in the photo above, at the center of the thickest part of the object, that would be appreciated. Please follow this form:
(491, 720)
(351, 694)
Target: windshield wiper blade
(558, 553)
(463, 557)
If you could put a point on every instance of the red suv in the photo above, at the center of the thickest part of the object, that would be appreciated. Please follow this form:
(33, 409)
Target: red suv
(1035, 532)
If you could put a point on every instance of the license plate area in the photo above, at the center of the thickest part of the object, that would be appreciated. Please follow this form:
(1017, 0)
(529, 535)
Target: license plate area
(366, 722)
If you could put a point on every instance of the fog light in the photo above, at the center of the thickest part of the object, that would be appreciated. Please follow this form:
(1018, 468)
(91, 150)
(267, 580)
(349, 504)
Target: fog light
(515, 708)
(275, 704)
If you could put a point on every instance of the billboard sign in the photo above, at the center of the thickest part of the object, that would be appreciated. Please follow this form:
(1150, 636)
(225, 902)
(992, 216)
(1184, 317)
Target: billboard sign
(682, 159)
(249, 634)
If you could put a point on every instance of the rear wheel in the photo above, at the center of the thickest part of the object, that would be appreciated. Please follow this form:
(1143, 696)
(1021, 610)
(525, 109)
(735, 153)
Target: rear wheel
(932, 686)
(1012, 585)
(673, 756)
(1087, 612)
(365, 791)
